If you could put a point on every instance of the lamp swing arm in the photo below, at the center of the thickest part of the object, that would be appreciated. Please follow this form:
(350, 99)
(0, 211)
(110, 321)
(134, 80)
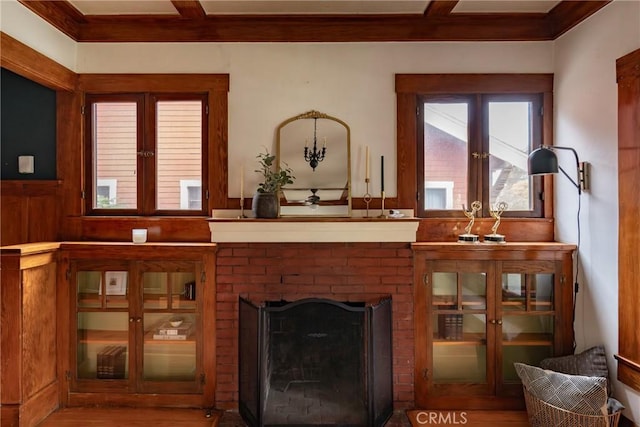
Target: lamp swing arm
(575, 154)
(581, 183)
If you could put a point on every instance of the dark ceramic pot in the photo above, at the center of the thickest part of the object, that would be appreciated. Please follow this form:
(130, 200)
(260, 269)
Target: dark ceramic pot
(265, 205)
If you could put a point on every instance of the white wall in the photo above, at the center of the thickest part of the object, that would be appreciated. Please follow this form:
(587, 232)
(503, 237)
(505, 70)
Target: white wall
(351, 81)
(586, 119)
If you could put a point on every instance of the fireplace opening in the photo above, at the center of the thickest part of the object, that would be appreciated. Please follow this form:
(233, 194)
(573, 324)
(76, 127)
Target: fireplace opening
(315, 362)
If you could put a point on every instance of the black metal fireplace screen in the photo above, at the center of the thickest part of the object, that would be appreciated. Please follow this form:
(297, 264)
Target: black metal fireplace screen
(315, 362)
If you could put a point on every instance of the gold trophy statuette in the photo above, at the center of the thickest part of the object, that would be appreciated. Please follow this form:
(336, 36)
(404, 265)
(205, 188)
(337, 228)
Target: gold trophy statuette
(494, 237)
(467, 237)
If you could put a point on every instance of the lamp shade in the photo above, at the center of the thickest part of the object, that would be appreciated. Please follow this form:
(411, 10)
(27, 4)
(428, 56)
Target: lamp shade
(542, 161)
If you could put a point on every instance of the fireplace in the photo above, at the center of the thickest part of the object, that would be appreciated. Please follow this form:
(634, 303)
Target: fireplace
(315, 361)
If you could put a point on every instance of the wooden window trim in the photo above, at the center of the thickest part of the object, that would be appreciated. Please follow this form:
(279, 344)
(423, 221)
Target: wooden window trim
(215, 86)
(146, 168)
(409, 89)
(628, 357)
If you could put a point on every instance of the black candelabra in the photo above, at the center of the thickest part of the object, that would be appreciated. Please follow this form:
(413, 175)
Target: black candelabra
(315, 156)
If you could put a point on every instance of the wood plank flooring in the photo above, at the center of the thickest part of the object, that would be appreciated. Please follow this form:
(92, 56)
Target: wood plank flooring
(160, 417)
(130, 417)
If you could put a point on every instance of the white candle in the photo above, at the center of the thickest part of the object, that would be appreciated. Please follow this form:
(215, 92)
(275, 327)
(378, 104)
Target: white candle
(242, 182)
(366, 174)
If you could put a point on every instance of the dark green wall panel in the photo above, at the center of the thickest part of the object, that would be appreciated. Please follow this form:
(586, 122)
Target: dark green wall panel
(28, 127)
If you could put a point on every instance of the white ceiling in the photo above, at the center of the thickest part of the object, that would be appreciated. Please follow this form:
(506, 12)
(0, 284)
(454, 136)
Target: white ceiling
(301, 7)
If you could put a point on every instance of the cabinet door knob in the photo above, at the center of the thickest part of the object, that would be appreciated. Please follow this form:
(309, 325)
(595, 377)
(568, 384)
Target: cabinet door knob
(492, 321)
(138, 319)
(500, 322)
(130, 319)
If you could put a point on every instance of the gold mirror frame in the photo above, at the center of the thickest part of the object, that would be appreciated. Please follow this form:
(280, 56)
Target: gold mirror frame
(331, 180)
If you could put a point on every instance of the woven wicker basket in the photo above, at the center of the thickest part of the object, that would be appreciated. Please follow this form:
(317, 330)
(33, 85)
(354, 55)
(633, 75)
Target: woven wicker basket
(542, 414)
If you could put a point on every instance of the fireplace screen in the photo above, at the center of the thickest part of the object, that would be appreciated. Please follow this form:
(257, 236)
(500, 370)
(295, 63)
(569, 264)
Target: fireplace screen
(315, 362)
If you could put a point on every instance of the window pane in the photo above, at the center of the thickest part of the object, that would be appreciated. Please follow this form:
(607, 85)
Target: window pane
(510, 134)
(446, 150)
(179, 154)
(114, 142)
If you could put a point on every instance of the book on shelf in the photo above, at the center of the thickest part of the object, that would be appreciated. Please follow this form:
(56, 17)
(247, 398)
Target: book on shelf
(111, 361)
(166, 329)
(190, 290)
(181, 337)
(450, 326)
(167, 332)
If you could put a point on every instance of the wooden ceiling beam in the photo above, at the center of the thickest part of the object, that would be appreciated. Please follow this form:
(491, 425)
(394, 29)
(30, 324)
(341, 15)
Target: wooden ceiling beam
(60, 14)
(371, 28)
(191, 9)
(567, 14)
(440, 7)
(194, 25)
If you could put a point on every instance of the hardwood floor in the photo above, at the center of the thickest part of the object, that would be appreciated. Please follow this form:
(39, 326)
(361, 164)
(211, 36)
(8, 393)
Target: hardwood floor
(145, 417)
(130, 417)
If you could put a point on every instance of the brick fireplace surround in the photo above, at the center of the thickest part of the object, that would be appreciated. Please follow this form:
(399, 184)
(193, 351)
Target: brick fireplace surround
(291, 271)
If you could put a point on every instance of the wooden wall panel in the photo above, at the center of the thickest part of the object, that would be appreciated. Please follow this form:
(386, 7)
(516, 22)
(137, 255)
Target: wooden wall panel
(38, 328)
(29, 211)
(514, 230)
(13, 222)
(28, 351)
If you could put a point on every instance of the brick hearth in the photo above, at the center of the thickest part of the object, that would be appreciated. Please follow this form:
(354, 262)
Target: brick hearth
(291, 271)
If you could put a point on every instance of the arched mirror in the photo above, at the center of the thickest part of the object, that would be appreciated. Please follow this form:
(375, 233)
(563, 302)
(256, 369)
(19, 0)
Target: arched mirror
(317, 148)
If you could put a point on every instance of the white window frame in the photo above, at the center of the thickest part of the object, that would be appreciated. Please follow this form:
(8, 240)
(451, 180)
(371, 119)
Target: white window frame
(184, 191)
(447, 186)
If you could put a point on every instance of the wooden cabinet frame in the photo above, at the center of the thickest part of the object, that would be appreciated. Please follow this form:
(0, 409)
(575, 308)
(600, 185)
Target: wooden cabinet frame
(492, 260)
(137, 259)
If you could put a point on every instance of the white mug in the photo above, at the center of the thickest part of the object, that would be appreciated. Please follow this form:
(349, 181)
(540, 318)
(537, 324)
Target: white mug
(139, 235)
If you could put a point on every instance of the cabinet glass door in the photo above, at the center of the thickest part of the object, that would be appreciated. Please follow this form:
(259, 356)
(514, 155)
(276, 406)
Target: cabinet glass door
(102, 333)
(170, 324)
(459, 307)
(527, 315)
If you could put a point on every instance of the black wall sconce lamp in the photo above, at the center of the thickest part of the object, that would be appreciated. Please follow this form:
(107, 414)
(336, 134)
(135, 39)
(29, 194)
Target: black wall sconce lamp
(544, 161)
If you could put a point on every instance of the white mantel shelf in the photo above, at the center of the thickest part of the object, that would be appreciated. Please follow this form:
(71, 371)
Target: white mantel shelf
(287, 230)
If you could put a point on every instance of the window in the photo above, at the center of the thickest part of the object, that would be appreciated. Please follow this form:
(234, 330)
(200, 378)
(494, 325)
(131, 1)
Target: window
(472, 140)
(150, 144)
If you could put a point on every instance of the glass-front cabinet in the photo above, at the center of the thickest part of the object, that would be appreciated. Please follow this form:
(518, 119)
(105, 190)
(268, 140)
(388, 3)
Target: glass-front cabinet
(137, 324)
(479, 309)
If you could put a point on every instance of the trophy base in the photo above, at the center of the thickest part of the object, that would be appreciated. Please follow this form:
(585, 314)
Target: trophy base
(468, 238)
(494, 238)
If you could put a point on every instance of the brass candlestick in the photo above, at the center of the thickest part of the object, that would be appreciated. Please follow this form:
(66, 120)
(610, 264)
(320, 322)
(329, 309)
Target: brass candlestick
(367, 197)
(241, 208)
(382, 215)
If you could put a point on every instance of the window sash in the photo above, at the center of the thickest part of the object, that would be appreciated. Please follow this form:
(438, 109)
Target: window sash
(145, 201)
(479, 157)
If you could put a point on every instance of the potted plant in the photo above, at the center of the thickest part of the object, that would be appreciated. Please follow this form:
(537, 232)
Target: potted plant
(266, 201)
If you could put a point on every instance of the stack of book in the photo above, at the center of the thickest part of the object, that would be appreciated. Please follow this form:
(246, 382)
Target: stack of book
(167, 332)
(450, 326)
(111, 362)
